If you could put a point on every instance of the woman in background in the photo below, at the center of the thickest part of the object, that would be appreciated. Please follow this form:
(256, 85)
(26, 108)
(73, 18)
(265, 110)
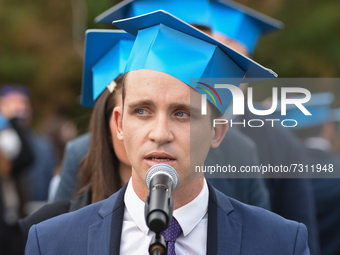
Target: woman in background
(106, 168)
(103, 171)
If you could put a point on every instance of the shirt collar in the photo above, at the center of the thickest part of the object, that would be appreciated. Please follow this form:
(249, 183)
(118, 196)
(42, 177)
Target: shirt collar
(135, 207)
(188, 216)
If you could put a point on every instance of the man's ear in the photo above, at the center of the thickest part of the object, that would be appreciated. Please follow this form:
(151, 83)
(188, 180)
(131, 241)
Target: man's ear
(219, 132)
(118, 117)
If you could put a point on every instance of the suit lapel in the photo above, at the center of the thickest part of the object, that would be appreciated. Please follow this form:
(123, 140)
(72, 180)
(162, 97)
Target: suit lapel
(117, 223)
(212, 222)
(224, 233)
(104, 235)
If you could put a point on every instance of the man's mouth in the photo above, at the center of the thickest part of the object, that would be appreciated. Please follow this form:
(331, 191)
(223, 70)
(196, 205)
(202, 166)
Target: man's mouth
(159, 159)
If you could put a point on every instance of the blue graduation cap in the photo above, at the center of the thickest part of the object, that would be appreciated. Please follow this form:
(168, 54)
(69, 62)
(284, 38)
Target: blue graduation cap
(234, 20)
(106, 53)
(165, 43)
(242, 23)
(319, 106)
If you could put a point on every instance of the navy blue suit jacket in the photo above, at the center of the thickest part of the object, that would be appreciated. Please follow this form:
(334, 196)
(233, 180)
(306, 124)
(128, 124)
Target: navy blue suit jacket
(233, 228)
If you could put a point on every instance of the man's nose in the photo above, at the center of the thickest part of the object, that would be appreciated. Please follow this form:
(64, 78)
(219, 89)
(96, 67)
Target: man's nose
(161, 130)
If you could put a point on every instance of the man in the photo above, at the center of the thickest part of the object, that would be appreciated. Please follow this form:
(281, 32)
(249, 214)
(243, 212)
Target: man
(251, 191)
(161, 121)
(16, 104)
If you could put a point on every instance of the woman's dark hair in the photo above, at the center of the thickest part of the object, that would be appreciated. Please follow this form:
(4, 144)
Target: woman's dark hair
(99, 170)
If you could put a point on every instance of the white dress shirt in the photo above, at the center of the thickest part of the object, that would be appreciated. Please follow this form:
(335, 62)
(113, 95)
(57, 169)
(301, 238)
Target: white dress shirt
(192, 217)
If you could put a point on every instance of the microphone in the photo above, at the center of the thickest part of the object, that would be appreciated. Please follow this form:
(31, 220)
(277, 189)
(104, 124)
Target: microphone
(161, 180)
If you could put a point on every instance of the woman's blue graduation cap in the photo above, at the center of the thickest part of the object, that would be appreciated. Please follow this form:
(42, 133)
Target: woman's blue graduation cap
(319, 106)
(167, 44)
(227, 17)
(106, 53)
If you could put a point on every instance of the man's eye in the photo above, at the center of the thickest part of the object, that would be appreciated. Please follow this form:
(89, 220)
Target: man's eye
(182, 114)
(141, 111)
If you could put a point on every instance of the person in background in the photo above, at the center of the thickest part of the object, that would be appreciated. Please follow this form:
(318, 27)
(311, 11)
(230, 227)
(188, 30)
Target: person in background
(105, 168)
(35, 179)
(101, 173)
(40, 173)
(316, 132)
(16, 157)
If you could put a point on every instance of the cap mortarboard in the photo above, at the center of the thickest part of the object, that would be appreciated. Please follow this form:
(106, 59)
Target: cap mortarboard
(241, 23)
(227, 17)
(165, 43)
(106, 53)
(319, 106)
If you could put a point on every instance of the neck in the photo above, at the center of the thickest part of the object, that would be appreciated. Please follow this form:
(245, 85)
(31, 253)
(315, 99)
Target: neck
(186, 191)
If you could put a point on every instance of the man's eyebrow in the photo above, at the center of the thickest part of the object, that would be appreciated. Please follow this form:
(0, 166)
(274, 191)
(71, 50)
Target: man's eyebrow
(139, 103)
(186, 107)
(182, 106)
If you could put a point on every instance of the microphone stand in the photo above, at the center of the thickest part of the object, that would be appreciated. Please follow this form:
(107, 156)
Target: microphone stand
(157, 245)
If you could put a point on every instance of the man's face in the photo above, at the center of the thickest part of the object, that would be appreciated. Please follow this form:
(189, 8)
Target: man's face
(158, 124)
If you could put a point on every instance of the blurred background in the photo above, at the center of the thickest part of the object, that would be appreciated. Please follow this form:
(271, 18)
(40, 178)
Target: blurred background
(41, 46)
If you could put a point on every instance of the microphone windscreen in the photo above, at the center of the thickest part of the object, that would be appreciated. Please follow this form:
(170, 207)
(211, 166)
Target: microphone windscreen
(162, 169)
